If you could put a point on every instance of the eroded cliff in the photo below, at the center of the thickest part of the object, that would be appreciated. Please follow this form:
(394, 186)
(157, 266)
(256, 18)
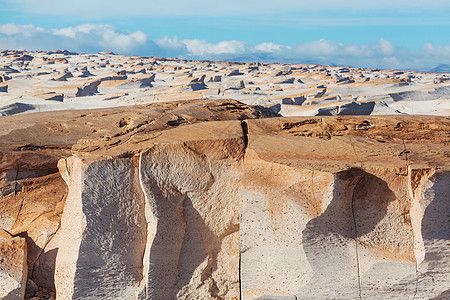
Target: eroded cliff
(161, 205)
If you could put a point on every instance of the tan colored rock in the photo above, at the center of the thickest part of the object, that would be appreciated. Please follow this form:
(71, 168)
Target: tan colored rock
(191, 183)
(312, 208)
(13, 268)
(88, 89)
(180, 254)
(32, 190)
(103, 232)
(340, 211)
(5, 235)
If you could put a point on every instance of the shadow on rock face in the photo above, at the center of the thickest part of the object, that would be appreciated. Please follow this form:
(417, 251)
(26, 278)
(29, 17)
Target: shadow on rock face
(360, 201)
(181, 245)
(443, 296)
(371, 197)
(358, 198)
(434, 269)
(199, 244)
(184, 249)
(41, 264)
(437, 214)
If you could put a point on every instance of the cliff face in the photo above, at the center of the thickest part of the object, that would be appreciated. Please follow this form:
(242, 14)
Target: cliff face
(161, 205)
(158, 224)
(343, 216)
(32, 190)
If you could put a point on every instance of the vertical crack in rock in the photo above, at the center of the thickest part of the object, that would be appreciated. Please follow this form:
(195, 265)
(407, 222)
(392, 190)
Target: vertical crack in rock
(338, 242)
(49, 239)
(67, 168)
(166, 226)
(245, 133)
(16, 192)
(354, 218)
(15, 181)
(244, 126)
(405, 151)
(408, 173)
(147, 242)
(355, 228)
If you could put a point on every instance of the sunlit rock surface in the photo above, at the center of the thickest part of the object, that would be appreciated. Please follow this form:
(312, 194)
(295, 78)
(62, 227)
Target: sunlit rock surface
(214, 199)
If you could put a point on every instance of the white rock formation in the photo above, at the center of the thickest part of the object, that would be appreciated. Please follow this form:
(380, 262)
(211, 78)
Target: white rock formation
(103, 232)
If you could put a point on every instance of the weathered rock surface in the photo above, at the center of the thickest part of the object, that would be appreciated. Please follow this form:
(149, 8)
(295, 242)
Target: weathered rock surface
(32, 188)
(349, 226)
(160, 204)
(13, 268)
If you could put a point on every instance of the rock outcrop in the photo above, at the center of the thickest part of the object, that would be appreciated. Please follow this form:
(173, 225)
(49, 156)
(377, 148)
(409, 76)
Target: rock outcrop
(13, 268)
(345, 214)
(161, 204)
(88, 89)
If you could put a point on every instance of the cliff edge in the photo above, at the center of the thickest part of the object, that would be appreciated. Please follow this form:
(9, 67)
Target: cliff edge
(210, 200)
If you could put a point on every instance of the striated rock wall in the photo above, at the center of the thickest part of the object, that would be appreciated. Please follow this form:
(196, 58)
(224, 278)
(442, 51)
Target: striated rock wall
(169, 207)
(341, 216)
(32, 190)
(173, 225)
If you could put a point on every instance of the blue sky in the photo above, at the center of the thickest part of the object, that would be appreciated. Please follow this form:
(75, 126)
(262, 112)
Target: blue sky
(384, 34)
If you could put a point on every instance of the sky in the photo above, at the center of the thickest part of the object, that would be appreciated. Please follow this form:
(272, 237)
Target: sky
(388, 34)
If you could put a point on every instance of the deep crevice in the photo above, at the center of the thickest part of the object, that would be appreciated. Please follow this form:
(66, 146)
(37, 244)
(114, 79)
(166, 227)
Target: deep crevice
(144, 281)
(354, 218)
(408, 174)
(49, 239)
(244, 126)
(16, 192)
(356, 232)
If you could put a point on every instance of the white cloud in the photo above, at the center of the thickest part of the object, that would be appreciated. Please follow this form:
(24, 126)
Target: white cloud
(104, 35)
(436, 50)
(269, 47)
(13, 29)
(203, 48)
(93, 38)
(325, 48)
(83, 38)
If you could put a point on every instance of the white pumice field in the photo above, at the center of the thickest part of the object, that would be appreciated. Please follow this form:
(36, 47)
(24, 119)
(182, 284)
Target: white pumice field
(61, 80)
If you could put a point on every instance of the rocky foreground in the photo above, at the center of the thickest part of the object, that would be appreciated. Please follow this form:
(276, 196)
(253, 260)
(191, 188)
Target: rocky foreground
(60, 80)
(215, 199)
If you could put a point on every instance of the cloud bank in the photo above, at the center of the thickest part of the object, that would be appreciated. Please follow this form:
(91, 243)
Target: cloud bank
(91, 38)
(82, 38)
